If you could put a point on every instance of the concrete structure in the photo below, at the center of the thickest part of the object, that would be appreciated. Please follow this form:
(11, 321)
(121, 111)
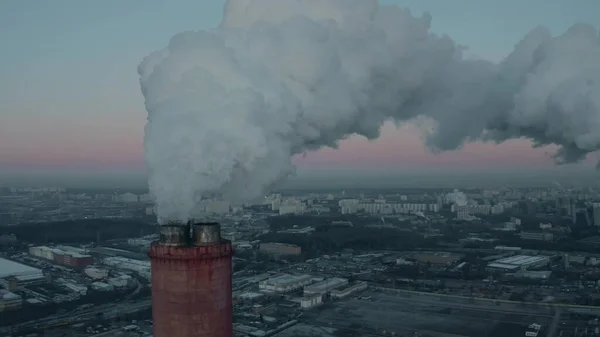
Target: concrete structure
(518, 262)
(101, 286)
(539, 236)
(122, 281)
(96, 273)
(325, 286)
(283, 283)
(18, 274)
(74, 260)
(311, 301)
(435, 258)
(69, 256)
(191, 282)
(9, 301)
(280, 248)
(341, 293)
(42, 252)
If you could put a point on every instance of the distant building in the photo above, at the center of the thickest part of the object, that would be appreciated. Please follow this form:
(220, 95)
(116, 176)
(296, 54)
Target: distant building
(101, 286)
(280, 248)
(9, 300)
(435, 258)
(539, 236)
(68, 256)
(312, 301)
(325, 286)
(122, 281)
(96, 273)
(518, 263)
(536, 275)
(13, 274)
(596, 212)
(285, 283)
(347, 291)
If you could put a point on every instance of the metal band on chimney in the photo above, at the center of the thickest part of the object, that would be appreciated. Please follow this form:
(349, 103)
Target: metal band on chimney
(175, 235)
(206, 233)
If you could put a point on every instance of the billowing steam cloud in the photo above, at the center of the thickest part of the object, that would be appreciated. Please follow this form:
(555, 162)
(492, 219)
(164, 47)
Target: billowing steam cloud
(457, 197)
(227, 108)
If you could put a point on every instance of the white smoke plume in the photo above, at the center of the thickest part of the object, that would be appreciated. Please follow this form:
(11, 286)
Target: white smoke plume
(227, 108)
(457, 197)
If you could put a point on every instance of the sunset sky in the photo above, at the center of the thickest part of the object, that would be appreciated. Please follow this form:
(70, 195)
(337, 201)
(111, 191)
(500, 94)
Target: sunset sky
(70, 97)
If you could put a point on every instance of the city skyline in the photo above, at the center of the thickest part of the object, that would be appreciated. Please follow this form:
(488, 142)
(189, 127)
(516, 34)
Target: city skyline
(72, 99)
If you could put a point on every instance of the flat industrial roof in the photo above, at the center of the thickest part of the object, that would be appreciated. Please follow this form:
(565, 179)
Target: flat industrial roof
(326, 284)
(502, 266)
(522, 260)
(10, 268)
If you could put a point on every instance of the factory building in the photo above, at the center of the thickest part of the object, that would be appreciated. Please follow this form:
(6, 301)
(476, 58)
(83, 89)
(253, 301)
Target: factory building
(192, 282)
(311, 301)
(347, 291)
(538, 236)
(517, 262)
(42, 252)
(325, 286)
(9, 301)
(72, 286)
(435, 258)
(122, 281)
(13, 274)
(280, 248)
(101, 286)
(68, 258)
(284, 283)
(73, 260)
(96, 273)
(143, 268)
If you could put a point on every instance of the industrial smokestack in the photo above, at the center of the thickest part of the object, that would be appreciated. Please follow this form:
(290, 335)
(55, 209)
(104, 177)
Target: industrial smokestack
(229, 107)
(191, 281)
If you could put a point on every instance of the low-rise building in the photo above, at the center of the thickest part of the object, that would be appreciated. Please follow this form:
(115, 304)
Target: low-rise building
(311, 301)
(9, 300)
(13, 274)
(325, 286)
(518, 262)
(347, 291)
(539, 236)
(285, 283)
(280, 248)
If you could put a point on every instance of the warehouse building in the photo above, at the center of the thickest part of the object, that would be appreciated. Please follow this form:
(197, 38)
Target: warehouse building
(324, 287)
(13, 274)
(96, 273)
(518, 262)
(349, 290)
(280, 248)
(140, 267)
(285, 283)
(9, 301)
(311, 301)
(69, 258)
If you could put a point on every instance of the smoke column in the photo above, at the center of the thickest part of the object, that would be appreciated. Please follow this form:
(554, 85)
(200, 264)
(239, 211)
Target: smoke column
(457, 197)
(229, 107)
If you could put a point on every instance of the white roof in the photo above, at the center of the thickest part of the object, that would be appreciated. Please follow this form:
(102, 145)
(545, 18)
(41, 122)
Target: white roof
(7, 295)
(503, 266)
(522, 260)
(326, 285)
(10, 268)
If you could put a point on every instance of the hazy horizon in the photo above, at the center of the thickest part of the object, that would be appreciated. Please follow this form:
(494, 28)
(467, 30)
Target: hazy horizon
(325, 177)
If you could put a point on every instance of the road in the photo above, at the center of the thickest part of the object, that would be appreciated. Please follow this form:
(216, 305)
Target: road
(108, 311)
(555, 320)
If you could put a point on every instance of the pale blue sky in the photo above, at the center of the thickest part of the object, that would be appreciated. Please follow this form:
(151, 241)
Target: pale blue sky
(69, 88)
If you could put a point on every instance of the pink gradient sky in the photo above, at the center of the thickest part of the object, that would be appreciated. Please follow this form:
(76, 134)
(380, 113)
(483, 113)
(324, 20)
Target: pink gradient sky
(87, 142)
